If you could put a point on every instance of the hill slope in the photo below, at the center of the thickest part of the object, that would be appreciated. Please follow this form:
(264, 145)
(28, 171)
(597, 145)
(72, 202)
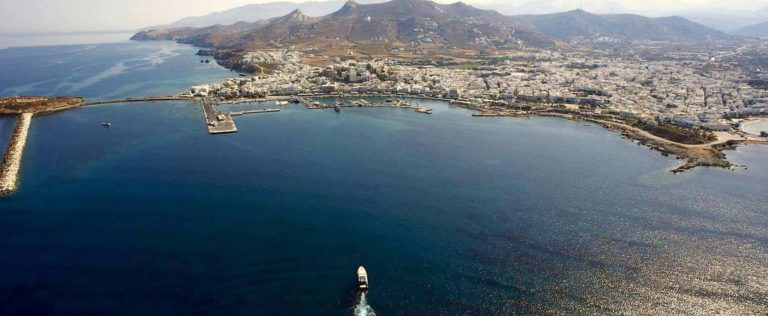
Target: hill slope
(756, 30)
(260, 11)
(581, 24)
(398, 22)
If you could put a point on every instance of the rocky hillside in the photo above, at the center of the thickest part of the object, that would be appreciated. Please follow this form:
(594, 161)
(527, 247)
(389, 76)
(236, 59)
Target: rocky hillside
(408, 22)
(756, 30)
(581, 24)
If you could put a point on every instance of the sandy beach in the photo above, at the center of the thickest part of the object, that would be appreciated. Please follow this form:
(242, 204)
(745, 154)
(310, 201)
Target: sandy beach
(755, 125)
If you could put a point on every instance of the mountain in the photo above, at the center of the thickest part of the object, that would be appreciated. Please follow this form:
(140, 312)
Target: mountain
(723, 20)
(755, 30)
(581, 24)
(259, 12)
(398, 23)
(553, 6)
(202, 36)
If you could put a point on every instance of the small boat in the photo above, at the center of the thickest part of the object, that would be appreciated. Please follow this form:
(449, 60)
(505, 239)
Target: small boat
(207, 61)
(362, 279)
(337, 107)
(106, 124)
(424, 110)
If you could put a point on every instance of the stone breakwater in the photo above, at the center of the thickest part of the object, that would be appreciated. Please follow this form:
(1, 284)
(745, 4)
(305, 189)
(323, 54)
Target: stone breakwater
(9, 171)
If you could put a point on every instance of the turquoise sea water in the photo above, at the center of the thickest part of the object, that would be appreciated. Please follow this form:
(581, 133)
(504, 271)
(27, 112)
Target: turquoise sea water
(449, 214)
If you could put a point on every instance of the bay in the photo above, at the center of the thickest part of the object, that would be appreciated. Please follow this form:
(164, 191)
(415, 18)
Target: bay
(449, 214)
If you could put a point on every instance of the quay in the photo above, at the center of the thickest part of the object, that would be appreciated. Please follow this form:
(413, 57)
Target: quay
(238, 113)
(258, 100)
(218, 122)
(9, 171)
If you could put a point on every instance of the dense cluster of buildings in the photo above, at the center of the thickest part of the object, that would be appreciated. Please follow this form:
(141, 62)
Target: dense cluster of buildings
(685, 93)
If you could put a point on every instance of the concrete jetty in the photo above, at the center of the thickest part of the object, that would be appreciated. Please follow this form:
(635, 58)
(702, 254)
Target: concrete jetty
(238, 113)
(218, 123)
(9, 171)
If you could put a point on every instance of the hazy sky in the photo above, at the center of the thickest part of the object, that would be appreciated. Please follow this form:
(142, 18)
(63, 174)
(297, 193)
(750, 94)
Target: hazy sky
(17, 16)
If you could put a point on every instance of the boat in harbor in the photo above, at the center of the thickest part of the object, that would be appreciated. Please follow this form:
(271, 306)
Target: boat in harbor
(337, 107)
(425, 110)
(362, 279)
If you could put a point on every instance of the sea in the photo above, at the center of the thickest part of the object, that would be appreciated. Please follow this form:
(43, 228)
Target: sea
(449, 214)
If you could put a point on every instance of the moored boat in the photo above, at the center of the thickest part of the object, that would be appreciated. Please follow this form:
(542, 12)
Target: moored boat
(424, 110)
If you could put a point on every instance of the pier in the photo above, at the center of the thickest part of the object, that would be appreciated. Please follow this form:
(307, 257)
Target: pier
(218, 122)
(9, 171)
(238, 113)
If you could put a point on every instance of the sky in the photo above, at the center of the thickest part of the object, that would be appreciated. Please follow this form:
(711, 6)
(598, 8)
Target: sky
(48, 16)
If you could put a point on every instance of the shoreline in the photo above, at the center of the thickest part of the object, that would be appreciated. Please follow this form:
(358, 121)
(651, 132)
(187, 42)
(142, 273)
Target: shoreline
(695, 155)
(11, 167)
(705, 155)
(752, 121)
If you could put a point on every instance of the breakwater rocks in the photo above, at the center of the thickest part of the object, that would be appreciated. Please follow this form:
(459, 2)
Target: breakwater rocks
(9, 171)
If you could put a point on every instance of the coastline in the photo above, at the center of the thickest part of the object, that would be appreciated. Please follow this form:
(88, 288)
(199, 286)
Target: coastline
(709, 154)
(753, 121)
(695, 155)
(10, 169)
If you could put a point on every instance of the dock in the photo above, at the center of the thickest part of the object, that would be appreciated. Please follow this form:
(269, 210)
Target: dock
(9, 170)
(217, 122)
(238, 113)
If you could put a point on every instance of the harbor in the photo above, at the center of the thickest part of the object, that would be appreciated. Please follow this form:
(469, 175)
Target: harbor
(9, 171)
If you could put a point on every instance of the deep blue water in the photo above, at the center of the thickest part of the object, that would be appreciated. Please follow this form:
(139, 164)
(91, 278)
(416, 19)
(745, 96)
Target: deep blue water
(7, 123)
(450, 214)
